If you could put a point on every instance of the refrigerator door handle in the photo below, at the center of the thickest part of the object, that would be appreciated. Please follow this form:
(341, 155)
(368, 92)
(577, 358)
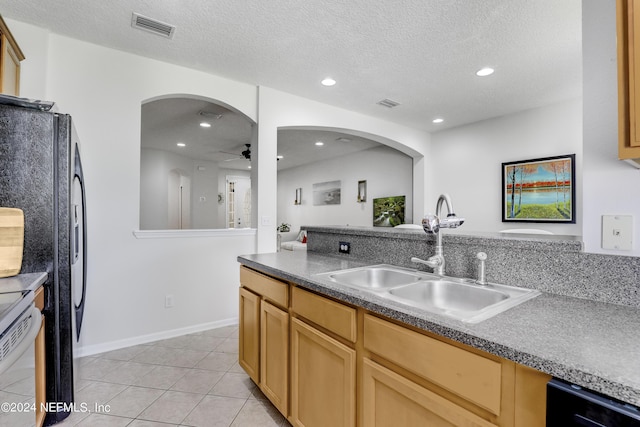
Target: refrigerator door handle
(75, 241)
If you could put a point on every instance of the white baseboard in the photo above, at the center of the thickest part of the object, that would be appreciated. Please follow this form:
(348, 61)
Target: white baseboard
(143, 339)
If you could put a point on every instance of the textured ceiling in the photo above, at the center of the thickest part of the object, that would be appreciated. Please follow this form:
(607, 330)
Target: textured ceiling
(420, 53)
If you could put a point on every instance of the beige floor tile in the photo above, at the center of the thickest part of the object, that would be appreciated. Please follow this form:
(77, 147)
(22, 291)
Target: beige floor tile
(214, 411)
(229, 345)
(167, 356)
(198, 381)
(234, 385)
(216, 361)
(128, 373)
(132, 401)
(125, 354)
(224, 332)
(101, 420)
(236, 367)
(162, 377)
(171, 407)
(98, 393)
(258, 413)
(97, 368)
(145, 423)
(192, 342)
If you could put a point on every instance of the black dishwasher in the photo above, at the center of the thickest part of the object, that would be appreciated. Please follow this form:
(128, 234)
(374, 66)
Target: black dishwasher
(570, 405)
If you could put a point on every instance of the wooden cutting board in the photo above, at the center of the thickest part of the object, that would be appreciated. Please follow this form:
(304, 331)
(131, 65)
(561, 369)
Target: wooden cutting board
(11, 241)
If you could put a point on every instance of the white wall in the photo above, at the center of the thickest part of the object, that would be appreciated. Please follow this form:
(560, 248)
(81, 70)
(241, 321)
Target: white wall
(128, 278)
(467, 162)
(387, 171)
(281, 110)
(610, 185)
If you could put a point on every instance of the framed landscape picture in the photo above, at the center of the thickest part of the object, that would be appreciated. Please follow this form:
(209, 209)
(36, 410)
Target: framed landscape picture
(388, 211)
(539, 190)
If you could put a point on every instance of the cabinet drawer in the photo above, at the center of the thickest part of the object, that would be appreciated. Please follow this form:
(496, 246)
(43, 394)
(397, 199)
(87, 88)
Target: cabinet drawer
(466, 374)
(333, 316)
(271, 289)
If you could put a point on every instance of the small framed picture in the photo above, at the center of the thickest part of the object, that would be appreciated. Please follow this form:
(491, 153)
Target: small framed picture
(539, 190)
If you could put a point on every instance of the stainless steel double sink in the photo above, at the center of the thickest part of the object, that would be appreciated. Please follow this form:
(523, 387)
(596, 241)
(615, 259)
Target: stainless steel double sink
(461, 299)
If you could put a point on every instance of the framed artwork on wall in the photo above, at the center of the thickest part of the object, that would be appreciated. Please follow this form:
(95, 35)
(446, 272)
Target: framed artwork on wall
(539, 190)
(327, 193)
(388, 211)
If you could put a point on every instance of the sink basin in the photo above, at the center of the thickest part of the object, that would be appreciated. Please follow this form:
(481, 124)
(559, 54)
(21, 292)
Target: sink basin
(375, 277)
(448, 295)
(461, 299)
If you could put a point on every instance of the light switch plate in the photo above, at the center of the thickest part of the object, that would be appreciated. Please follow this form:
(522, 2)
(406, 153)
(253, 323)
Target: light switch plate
(617, 232)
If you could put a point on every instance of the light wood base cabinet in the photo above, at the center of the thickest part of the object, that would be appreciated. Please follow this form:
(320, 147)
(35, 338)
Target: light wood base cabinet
(325, 363)
(249, 334)
(390, 400)
(274, 355)
(323, 379)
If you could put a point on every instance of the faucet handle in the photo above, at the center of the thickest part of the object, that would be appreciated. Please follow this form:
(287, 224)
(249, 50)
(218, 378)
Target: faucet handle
(481, 268)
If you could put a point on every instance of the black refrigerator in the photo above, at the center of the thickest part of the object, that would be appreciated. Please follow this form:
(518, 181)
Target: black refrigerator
(41, 173)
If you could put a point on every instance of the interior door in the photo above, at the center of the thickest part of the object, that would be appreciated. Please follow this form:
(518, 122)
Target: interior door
(238, 201)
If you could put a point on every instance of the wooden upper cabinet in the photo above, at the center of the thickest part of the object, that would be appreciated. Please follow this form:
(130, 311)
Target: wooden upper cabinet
(10, 57)
(628, 28)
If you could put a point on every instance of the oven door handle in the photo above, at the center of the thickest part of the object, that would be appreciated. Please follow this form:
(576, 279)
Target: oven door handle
(27, 340)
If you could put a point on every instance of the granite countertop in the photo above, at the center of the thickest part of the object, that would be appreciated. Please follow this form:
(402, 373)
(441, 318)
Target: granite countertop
(589, 343)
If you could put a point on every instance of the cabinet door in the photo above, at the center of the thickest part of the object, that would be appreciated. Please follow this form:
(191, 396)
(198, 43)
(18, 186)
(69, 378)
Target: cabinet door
(323, 377)
(389, 399)
(249, 342)
(274, 357)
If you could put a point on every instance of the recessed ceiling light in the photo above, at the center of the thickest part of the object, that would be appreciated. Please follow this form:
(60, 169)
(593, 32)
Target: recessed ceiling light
(319, 143)
(249, 167)
(328, 81)
(205, 124)
(181, 144)
(483, 72)
(438, 120)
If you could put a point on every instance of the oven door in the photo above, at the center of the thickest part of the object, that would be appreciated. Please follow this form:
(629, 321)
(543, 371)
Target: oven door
(17, 369)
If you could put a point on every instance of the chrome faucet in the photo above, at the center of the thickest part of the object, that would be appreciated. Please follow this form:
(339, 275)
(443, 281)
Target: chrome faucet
(432, 225)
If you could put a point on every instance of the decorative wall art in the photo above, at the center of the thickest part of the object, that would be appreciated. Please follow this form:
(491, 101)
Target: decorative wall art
(388, 211)
(326, 193)
(539, 190)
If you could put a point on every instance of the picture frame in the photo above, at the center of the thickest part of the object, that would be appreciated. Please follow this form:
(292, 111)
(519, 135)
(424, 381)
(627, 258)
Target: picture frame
(327, 193)
(539, 190)
(388, 211)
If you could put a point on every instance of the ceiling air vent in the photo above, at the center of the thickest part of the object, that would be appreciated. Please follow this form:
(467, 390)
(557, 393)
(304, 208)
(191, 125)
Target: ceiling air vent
(153, 26)
(388, 103)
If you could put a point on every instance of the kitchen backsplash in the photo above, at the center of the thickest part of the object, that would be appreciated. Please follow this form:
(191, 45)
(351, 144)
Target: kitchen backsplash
(554, 264)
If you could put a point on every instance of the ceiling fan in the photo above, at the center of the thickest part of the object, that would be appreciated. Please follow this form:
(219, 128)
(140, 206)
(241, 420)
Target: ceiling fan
(244, 155)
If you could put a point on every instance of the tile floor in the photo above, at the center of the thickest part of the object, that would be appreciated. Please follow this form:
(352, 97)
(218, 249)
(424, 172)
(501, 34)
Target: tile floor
(191, 380)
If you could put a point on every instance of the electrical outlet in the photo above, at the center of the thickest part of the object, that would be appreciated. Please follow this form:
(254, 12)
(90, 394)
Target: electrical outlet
(168, 301)
(345, 247)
